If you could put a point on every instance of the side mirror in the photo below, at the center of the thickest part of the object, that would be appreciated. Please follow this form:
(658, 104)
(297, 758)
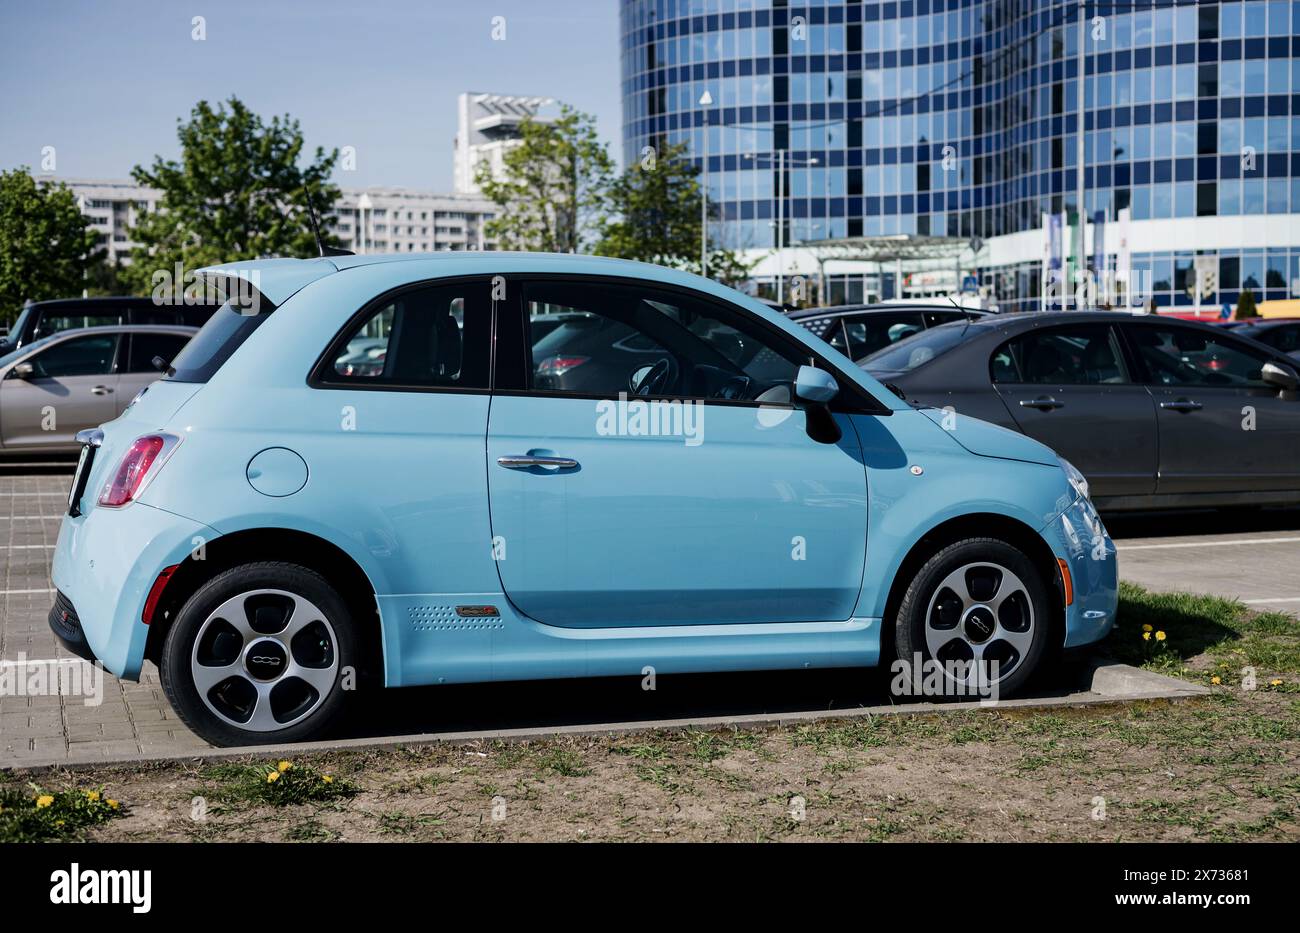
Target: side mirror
(1278, 375)
(815, 385)
(23, 371)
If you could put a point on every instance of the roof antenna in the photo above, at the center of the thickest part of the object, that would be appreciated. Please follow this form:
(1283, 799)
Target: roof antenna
(315, 229)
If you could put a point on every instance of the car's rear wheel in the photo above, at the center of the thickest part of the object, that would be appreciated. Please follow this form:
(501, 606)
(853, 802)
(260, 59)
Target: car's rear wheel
(978, 600)
(260, 654)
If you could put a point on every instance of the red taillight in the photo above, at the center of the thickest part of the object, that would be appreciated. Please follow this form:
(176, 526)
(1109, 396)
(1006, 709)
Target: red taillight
(134, 469)
(155, 593)
(559, 365)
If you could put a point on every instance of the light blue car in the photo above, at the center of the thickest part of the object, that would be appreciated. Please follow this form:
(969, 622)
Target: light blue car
(673, 479)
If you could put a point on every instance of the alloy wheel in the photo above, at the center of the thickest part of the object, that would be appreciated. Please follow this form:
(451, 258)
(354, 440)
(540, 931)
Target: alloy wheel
(981, 612)
(264, 660)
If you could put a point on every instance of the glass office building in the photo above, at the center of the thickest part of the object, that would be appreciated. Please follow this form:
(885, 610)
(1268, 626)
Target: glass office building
(960, 118)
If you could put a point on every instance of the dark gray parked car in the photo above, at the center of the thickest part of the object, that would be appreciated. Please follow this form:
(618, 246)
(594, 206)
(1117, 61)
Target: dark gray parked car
(1155, 412)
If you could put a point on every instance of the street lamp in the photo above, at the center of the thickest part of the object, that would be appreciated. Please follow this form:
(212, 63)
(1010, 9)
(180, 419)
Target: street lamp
(706, 100)
(780, 211)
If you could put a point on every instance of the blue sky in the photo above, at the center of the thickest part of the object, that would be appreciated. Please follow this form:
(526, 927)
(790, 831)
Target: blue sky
(103, 81)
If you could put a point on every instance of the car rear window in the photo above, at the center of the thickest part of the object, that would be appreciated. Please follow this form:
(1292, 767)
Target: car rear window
(216, 340)
(915, 351)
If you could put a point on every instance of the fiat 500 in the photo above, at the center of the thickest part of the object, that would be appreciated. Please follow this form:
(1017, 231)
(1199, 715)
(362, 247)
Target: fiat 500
(395, 471)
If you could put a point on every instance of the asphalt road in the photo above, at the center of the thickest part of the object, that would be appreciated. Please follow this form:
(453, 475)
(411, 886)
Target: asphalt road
(1251, 555)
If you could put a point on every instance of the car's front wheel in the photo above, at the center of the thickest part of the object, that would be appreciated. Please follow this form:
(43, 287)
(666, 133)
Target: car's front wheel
(261, 653)
(979, 608)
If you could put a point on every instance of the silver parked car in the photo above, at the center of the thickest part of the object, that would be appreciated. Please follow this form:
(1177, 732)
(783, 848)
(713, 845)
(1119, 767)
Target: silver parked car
(54, 387)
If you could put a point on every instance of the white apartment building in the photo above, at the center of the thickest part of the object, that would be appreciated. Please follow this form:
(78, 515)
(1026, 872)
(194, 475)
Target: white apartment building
(366, 220)
(112, 206)
(403, 220)
(487, 127)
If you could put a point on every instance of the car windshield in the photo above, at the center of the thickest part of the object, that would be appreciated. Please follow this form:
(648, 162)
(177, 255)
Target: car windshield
(16, 328)
(917, 350)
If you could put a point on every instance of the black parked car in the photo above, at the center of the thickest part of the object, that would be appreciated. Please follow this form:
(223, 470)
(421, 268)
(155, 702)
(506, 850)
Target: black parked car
(1155, 412)
(860, 330)
(1280, 333)
(40, 319)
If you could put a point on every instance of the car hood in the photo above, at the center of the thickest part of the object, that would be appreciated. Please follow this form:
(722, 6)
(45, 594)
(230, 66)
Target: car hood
(990, 440)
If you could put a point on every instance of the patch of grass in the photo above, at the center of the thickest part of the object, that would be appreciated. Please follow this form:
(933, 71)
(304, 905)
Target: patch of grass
(1164, 631)
(310, 831)
(565, 762)
(280, 784)
(37, 815)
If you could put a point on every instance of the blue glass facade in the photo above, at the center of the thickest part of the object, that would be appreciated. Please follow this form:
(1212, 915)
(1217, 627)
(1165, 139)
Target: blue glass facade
(959, 118)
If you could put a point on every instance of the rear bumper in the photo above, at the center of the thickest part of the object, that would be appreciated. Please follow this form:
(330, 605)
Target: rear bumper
(104, 564)
(66, 626)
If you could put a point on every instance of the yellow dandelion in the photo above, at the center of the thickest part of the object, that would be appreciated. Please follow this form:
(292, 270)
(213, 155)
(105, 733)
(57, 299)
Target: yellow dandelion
(1146, 636)
(1216, 679)
(43, 801)
(273, 777)
(327, 779)
(1276, 682)
(111, 802)
(1147, 628)
(92, 795)
(285, 765)
(1160, 636)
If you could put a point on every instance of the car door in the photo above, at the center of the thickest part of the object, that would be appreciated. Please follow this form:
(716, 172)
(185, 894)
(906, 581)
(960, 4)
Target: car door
(138, 370)
(685, 490)
(1069, 386)
(72, 387)
(1222, 428)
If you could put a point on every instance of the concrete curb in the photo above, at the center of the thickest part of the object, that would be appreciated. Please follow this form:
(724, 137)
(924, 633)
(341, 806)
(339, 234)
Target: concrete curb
(1102, 684)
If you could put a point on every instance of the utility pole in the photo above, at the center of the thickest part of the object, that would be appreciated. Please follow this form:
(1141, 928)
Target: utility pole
(706, 100)
(1080, 193)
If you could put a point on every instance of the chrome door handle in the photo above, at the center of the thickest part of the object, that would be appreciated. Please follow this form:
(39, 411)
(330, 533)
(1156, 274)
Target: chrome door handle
(100, 390)
(524, 461)
(1182, 404)
(1043, 402)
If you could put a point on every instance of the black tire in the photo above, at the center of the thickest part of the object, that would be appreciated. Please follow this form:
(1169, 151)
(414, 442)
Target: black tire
(178, 652)
(910, 622)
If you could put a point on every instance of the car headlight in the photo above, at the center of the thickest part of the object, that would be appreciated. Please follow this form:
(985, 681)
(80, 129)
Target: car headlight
(1077, 479)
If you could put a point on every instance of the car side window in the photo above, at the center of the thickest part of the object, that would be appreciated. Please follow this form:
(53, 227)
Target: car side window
(432, 336)
(1285, 337)
(1077, 354)
(144, 347)
(91, 355)
(868, 333)
(935, 318)
(58, 322)
(643, 341)
(1189, 356)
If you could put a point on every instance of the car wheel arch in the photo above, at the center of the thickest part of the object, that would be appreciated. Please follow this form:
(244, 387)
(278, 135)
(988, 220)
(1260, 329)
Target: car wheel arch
(277, 544)
(976, 525)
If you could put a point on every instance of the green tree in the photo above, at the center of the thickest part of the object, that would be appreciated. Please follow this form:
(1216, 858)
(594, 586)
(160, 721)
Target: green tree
(238, 191)
(554, 185)
(46, 245)
(654, 216)
(1246, 306)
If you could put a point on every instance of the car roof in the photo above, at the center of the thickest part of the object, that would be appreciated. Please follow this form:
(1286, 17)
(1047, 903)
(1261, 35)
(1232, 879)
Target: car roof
(1016, 319)
(110, 301)
(837, 310)
(127, 329)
